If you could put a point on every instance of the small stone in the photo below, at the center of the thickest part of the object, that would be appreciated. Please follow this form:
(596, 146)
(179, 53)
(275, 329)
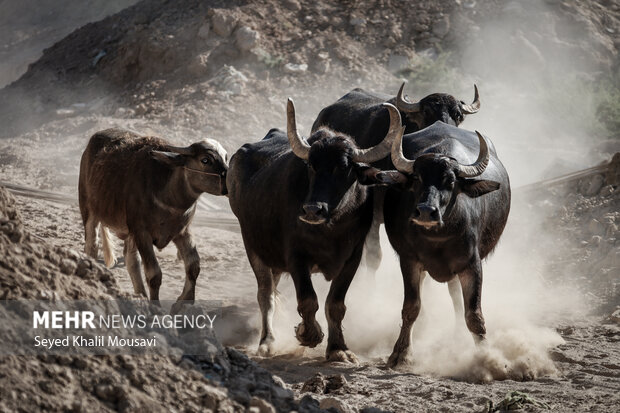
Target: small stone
(107, 392)
(441, 27)
(315, 384)
(82, 268)
(595, 227)
(333, 403)
(198, 65)
(223, 23)
(335, 382)
(68, 266)
(246, 38)
(295, 68)
(593, 186)
(204, 30)
(263, 406)
(359, 24)
(607, 190)
(292, 5)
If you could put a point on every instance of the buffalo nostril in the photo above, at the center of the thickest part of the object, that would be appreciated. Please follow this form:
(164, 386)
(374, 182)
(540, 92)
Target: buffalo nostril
(427, 212)
(312, 209)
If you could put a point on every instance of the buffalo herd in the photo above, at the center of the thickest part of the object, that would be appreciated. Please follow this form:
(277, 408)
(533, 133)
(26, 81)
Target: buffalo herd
(308, 205)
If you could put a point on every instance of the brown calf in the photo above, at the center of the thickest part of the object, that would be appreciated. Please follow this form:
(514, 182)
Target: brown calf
(145, 191)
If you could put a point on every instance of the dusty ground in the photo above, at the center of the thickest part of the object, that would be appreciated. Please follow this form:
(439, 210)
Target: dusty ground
(180, 69)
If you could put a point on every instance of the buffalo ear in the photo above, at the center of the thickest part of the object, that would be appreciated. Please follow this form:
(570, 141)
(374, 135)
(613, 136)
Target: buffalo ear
(476, 187)
(368, 175)
(168, 158)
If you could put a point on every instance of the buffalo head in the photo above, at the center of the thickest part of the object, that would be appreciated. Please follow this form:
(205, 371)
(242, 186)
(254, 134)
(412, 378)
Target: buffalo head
(436, 180)
(204, 164)
(434, 107)
(335, 164)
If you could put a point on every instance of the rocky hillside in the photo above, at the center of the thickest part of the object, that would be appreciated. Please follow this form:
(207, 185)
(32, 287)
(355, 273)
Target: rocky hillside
(224, 380)
(202, 64)
(28, 27)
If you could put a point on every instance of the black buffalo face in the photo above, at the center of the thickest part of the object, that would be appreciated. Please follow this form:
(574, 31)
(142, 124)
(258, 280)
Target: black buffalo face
(334, 165)
(436, 107)
(440, 106)
(435, 180)
(332, 172)
(435, 183)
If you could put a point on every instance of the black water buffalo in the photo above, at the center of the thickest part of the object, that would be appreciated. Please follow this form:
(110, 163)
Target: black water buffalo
(303, 207)
(444, 214)
(361, 115)
(145, 190)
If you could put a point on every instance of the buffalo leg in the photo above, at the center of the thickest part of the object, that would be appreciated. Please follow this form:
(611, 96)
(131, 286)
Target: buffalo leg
(335, 310)
(454, 287)
(471, 282)
(373, 241)
(373, 247)
(151, 267)
(187, 250)
(308, 332)
(412, 279)
(132, 261)
(90, 237)
(266, 296)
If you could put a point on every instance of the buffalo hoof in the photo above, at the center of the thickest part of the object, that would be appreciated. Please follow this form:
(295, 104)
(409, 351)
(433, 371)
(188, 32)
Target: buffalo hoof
(342, 356)
(265, 349)
(480, 339)
(400, 360)
(309, 336)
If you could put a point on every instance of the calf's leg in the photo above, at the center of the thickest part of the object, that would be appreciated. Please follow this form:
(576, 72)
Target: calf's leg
(335, 310)
(412, 278)
(132, 261)
(90, 236)
(187, 250)
(144, 242)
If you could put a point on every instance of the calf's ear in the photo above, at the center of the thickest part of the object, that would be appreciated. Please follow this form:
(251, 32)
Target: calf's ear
(168, 158)
(367, 175)
(476, 187)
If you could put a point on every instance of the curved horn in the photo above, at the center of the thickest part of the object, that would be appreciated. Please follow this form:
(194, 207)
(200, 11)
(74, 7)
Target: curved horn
(398, 159)
(403, 104)
(300, 147)
(475, 105)
(478, 167)
(382, 149)
(180, 150)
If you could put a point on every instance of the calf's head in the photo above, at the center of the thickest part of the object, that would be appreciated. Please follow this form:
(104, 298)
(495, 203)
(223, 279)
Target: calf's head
(436, 180)
(334, 165)
(434, 107)
(203, 164)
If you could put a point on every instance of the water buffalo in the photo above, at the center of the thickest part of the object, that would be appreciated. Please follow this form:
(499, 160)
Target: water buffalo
(361, 115)
(303, 207)
(444, 214)
(145, 191)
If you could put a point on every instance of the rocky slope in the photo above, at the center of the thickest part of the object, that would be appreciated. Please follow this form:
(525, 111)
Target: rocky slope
(223, 381)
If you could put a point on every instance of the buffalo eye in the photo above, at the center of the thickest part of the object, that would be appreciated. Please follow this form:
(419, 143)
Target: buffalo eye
(205, 161)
